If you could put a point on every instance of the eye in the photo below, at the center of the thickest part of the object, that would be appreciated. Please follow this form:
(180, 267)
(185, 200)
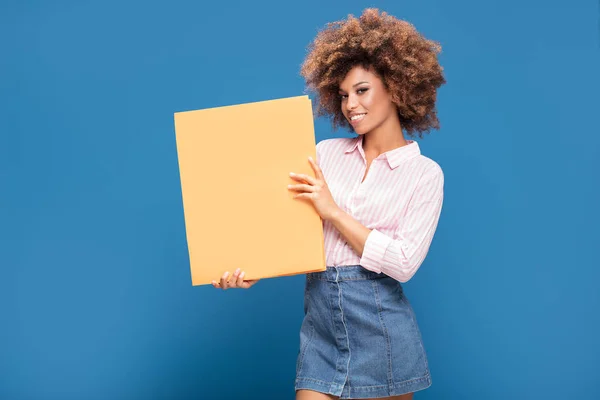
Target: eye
(342, 96)
(362, 90)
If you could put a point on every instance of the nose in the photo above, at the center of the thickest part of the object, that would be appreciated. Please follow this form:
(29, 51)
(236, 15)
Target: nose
(351, 102)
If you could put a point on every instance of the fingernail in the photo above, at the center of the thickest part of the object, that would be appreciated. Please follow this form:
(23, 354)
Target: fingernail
(242, 274)
(310, 158)
(237, 271)
(226, 274)
(292, 174)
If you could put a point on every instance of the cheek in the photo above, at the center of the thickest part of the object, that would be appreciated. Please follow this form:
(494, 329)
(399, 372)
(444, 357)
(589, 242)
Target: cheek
(380, 105)
(368, 101)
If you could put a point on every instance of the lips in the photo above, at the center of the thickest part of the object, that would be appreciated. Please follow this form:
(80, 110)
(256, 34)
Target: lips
(355, 119)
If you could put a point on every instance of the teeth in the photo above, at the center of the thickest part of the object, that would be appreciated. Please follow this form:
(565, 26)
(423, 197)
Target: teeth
(357, 116)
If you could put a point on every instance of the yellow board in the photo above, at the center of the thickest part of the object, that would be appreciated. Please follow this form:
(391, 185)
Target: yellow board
(234, 165)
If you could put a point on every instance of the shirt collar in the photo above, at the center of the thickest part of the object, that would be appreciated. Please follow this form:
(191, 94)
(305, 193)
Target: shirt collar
(394, 157)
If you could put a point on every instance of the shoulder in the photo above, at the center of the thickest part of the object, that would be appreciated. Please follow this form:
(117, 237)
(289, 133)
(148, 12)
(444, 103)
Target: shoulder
(429, 166)
(429, 170)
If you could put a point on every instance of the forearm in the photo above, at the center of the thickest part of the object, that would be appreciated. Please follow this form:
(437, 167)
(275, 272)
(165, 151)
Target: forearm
(399, 257)
(353, 232)
(398, 250)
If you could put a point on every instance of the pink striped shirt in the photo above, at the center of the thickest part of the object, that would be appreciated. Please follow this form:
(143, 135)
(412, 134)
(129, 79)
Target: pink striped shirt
(400, 201)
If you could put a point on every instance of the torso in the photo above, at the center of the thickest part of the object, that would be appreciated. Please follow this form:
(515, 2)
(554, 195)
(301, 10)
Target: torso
(367, 188)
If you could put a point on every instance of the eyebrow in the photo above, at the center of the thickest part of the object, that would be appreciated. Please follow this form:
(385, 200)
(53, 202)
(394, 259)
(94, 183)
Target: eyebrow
(355, 85)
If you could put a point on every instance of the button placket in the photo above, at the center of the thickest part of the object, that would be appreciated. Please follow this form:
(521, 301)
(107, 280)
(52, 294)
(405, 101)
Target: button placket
(363, 184)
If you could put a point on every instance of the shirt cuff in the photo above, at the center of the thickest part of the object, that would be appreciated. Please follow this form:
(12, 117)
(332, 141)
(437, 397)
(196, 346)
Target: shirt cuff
(374, 250)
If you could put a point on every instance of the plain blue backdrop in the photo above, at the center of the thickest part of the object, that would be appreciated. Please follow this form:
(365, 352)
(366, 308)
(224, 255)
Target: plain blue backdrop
(96, 300)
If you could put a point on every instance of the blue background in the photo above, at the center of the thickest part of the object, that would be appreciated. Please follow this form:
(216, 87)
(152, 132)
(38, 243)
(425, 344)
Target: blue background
(96, 299)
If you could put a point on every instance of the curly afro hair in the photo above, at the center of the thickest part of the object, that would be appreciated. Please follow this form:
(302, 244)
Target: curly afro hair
(393, 49)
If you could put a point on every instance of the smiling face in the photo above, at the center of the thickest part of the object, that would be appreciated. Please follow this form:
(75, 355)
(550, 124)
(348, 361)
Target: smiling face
(366, 103)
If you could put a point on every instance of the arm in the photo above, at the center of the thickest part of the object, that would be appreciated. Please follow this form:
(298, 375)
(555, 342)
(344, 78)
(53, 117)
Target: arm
(401, 256)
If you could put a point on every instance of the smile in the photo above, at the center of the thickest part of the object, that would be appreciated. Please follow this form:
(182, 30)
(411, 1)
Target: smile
(357, 117)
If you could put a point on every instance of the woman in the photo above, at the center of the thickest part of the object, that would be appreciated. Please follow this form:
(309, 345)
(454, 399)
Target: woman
(380, 202)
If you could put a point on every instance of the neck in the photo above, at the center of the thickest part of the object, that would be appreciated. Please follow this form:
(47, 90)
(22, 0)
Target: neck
(387, 136)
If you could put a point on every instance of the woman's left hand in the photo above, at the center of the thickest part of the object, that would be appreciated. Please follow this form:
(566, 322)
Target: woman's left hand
(315, 190)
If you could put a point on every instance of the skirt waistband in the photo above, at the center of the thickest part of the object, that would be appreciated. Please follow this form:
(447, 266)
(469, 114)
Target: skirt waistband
(345, 273)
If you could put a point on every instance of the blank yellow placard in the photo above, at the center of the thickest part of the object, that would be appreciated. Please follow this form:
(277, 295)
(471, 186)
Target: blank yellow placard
(234, 165)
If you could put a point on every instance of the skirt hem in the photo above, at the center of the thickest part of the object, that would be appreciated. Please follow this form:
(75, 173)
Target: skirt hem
(363, 392)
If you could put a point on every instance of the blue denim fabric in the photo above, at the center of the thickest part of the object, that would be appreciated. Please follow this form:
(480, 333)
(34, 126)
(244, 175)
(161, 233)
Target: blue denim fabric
(359, 337)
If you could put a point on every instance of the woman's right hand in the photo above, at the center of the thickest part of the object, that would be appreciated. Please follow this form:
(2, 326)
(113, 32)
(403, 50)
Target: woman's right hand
(236, 281)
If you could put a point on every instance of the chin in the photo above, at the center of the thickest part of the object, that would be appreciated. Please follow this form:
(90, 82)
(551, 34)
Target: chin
(360, 131)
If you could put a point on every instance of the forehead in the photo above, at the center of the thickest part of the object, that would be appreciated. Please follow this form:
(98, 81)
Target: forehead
(358, 74)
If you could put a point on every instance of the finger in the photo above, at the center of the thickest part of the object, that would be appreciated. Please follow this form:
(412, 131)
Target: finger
(303, 177)
(306, 188)
(224, 284)
(249, 284)
(215, 284)
(316, 168)
(240, 279)
(308, 196)
(233, 282)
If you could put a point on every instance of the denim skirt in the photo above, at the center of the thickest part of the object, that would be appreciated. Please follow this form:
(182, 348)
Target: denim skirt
(359, 337)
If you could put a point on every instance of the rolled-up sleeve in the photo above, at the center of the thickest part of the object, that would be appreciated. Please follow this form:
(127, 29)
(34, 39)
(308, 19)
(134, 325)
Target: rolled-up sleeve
(401, 256)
